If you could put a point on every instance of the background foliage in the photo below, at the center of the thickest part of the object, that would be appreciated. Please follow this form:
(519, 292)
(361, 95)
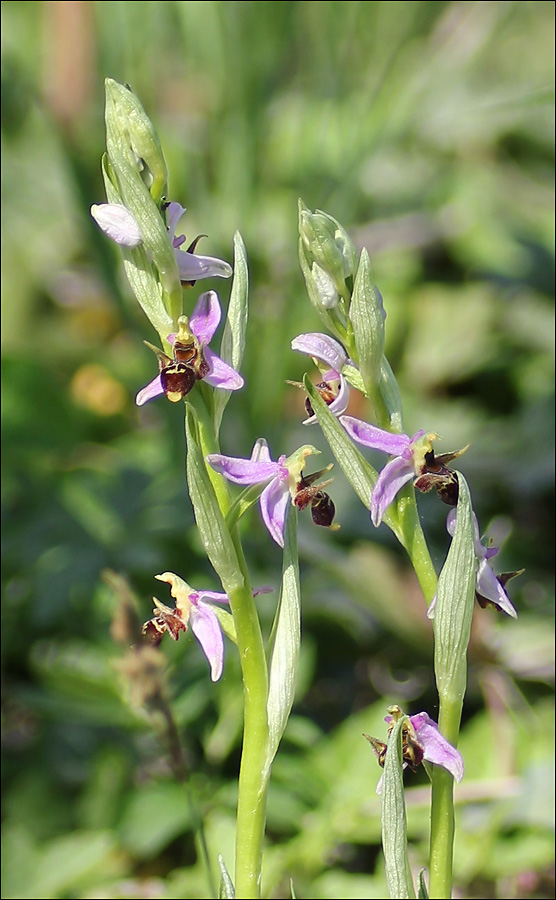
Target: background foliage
(427, 130)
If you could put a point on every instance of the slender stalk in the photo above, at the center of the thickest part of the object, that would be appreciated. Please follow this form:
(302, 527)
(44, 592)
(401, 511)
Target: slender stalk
(442, 811)
(412, 538)
(252, 787)
(253, 784)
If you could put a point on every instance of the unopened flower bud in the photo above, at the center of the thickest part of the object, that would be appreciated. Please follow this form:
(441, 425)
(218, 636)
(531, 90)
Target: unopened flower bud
(128, 128)
(327, 249)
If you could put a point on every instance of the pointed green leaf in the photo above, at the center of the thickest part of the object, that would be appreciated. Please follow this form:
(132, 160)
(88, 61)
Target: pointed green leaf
(233, 338)
(394, 823)
(367, 317)
(422, 893)
(390, 393)
(455, 600)
(213, 530)
(241, 504)
(227, 890)
(285, 642)
(129, 118)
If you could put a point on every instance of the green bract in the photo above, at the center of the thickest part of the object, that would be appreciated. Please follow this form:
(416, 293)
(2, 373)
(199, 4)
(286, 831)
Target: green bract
(394, 824)
(285, 642)
(455, 600)
(137, 172)
(232, 347)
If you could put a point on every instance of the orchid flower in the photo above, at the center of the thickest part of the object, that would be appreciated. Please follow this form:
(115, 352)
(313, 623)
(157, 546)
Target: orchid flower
(192, 267)
(190, 608)
(421, 740)
(489, 588)
(193, 359)
(285, 481)
(334, 388)
(413, 458)
(409, 460)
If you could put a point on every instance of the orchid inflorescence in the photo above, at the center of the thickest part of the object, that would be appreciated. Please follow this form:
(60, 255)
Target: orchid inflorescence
(350, 356)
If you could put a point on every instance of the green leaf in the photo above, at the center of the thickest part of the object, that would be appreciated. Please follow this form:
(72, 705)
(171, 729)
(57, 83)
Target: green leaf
(60, 867)
(213, 530)
(241, 504)
(367, 317)
(232, 347)
(155, 815)
(455, 600)
(131, 144)
(227, 890)
(394, 823)
(422, 893)
(285, 642)
(391, 396)
(357, 470)
(140, 272)
(226, 621)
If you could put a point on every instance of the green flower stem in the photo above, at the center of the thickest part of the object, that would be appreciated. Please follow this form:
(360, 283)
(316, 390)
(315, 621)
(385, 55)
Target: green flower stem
(201, 400)
(412, 538)
(173, 301)
(442, 811)
(252, 786)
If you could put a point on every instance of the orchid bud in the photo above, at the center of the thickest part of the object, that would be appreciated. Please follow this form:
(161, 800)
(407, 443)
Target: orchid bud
(329, 254)
(128, 123)
(136, 174)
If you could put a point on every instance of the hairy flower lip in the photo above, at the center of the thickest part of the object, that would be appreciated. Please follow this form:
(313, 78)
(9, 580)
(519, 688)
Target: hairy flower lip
(203, 323)
(340, 402)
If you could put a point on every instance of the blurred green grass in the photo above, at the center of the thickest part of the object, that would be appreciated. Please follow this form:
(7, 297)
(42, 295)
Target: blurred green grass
(427, 130)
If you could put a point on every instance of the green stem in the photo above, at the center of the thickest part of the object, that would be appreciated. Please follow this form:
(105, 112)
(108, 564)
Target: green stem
(442, 810)
(412, 538)
(201, 400)
(252, 786)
